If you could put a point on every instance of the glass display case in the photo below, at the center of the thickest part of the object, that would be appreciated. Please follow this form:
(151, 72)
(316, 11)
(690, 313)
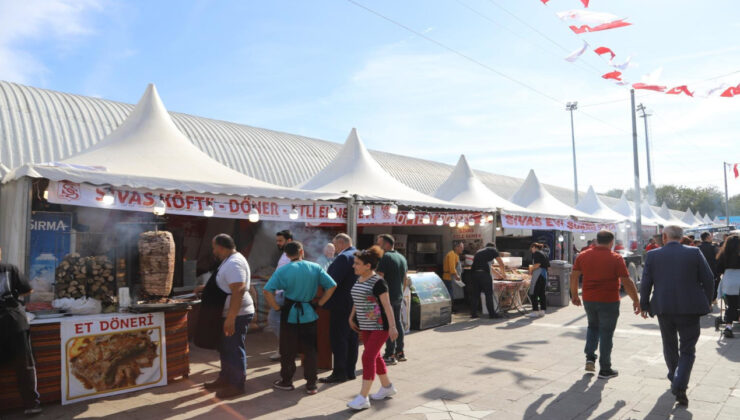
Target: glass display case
(430, 302)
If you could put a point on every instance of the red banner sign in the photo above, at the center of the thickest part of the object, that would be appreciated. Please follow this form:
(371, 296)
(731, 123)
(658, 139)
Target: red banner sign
(515, 221)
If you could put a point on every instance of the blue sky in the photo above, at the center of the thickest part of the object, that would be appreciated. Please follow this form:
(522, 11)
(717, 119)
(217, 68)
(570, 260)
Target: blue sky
(318, 68)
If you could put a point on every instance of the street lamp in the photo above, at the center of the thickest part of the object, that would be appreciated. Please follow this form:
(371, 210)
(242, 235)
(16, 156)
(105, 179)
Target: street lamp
(572, 106)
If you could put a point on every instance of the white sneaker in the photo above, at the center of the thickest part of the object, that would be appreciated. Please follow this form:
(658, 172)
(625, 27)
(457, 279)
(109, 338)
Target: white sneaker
(275, 356)
(541, 314)
(533, 314)
(359, 403)
(384, 393)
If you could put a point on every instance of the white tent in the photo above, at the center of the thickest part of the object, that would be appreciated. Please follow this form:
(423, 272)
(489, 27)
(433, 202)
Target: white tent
(666, 214)
(647, 213)
(3, 170)
(707, 220)
(690, 219)
(354, 171)
(463, 187)
(627, 209)
(718, 222)
(148, 151)
(536, 199)
(592, 204)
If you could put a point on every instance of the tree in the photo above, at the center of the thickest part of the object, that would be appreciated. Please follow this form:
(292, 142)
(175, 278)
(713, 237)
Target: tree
(704, 200)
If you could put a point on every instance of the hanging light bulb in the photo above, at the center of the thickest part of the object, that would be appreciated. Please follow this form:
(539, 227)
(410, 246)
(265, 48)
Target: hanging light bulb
(332, 213)
(293, 214)
(471, 221)
(367, 211)
(561, 238)
(160, 208)
(393, 209)
(411, 215)
(461, 223)
(108, 198)
(498, 228)
(46, 194)
(208, 212)
(254, 215)
(426, 219)
(452, 223)
(583, 237)
(440, 221)
(489, 218)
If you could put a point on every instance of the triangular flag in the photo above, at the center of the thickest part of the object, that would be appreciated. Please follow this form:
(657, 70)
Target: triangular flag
(680, 89)
(616, 75)
(605, 50)
(737, 173)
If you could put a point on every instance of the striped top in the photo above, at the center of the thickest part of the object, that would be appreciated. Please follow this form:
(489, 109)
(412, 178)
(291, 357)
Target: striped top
(370, 315)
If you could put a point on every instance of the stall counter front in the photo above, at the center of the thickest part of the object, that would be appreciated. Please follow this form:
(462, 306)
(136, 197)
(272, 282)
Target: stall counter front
(46, 344)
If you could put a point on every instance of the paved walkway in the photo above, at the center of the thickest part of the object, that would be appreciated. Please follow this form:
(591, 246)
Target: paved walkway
(503, 369)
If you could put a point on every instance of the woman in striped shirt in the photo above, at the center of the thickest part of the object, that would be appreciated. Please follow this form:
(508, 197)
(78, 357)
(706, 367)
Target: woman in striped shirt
(372, 317)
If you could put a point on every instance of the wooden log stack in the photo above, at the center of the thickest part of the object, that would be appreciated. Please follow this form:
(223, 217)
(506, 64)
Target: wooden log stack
(78, 277)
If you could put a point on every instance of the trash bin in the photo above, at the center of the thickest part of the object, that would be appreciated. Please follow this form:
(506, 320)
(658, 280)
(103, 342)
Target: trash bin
(558, 283)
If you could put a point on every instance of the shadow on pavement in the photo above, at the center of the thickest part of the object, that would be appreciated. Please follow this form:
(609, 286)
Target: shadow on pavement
(566, 403)
(664, 408)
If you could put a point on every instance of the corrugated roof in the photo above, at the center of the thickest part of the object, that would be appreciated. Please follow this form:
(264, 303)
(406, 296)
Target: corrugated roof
(40, 125)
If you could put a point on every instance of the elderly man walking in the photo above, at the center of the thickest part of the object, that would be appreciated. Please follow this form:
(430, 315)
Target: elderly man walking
(603, 270)
(682, 286)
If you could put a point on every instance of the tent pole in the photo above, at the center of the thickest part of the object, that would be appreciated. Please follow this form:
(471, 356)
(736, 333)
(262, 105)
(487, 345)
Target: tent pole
(352, 218)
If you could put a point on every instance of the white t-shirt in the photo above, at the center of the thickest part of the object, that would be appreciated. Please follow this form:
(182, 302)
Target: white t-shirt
(235, 270)
(283, 260)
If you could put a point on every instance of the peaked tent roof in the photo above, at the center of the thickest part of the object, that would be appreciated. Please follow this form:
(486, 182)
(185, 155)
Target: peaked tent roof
(647, 213)
(148, 151)
(536, 199)
(463, 187)
(592, 204)
(627, 209)
(707, 220)
(690, 219)
(354, 171)
(666, 214)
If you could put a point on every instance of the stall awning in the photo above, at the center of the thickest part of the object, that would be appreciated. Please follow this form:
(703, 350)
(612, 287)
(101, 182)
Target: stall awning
(648, 214)
(355, 172)
(690, 219)
(666, 214)
(464, 187)
(148, 151)
(592, 204)
(533, 196)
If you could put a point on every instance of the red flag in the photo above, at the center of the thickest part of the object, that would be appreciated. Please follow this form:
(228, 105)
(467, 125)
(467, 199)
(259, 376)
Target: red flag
(616, 75)
(731, 91)
(604, 50)
(649, 87)
(680, 89)
(585, 3)
(737, 173)
(544, 1)
(604, 26)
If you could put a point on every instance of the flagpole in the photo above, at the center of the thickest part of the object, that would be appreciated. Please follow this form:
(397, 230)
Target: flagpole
(727, 199)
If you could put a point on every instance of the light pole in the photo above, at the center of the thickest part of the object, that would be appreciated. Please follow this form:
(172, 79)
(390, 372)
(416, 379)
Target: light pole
(645, 115)
(638, 199)
(572, 106)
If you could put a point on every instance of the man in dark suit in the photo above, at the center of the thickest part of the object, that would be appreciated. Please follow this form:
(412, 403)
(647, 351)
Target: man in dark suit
(710, 251)
(681, 284)
(343, 339)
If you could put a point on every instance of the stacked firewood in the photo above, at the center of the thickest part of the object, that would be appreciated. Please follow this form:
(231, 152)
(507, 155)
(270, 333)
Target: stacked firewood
(78, 277)
(156, 263)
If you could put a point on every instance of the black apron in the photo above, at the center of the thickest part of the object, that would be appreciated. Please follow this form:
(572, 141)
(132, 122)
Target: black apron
(210, 319)
(287, 305)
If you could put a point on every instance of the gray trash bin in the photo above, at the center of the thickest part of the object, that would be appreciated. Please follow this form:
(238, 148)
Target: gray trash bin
(558, 283)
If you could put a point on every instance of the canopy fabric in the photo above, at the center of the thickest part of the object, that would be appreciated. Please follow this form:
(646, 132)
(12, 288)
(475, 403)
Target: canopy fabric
(666, 214)
(355, 172)
(647, 213)
(627, 209)
(707, 220)
(3, 170)
(464, 187)
(592, 204)
(148, 151)
(690, 219)
(536, 199)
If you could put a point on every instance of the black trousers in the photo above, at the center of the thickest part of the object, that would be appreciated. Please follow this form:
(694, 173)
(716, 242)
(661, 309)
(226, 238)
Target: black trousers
(482, 283)
(680, 334)
(344, 344)
(731, 311)
(20, 357)
(294, 339)
(539, 298)
(392, 348)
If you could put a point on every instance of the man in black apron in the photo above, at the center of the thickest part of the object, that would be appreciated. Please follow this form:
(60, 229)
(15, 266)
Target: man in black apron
(226, 310)
(15, 342)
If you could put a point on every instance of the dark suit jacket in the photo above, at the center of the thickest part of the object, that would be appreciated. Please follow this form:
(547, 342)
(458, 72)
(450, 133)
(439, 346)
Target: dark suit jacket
(344, 275)
(680, 280)
(709, 250)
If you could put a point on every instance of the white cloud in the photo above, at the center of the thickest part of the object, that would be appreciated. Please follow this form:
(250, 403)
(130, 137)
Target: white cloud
(31, 20)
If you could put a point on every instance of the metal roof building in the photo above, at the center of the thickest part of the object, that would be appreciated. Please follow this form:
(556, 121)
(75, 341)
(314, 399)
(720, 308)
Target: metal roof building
(39, 125)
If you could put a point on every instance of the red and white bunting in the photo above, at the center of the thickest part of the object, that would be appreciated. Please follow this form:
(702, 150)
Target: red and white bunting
(614, 75)
(605, 50)
(680, 89)
(645, 86)
(577, 53)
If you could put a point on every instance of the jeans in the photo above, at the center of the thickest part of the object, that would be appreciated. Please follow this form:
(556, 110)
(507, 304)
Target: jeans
(679, 358)
(233, 353)
(602, 321)
(539, 298)
(450, 290)
(294, 339)
(392, 348)
(482, 282)
(372, 363)
(343, 344)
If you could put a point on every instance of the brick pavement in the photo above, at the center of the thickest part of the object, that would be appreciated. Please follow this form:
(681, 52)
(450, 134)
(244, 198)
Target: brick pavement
(504, 369)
